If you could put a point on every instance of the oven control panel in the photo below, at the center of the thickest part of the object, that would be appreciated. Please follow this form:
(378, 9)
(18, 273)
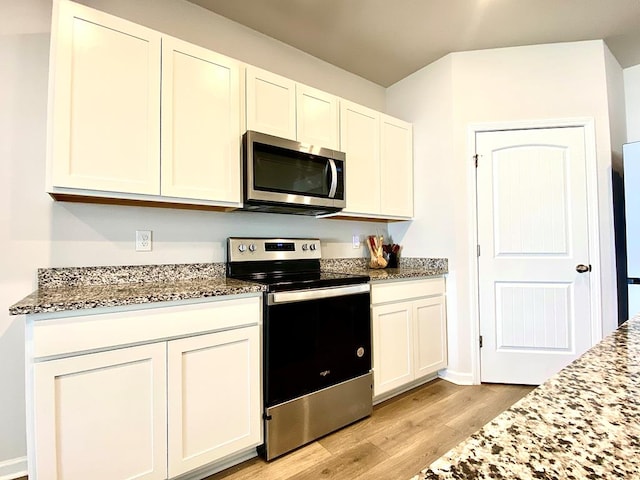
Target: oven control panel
(261, 249)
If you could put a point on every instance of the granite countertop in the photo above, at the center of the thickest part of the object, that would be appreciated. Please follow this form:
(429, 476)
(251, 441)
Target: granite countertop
(76, 288)
(64, 289)
(58, 299)
(583, 423)
(408, 268)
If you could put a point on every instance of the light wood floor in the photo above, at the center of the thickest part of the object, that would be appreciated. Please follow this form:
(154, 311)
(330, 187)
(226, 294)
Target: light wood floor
(403, 436)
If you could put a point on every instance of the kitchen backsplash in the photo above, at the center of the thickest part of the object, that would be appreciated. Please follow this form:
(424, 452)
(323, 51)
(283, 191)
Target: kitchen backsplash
(348, 264)
(121, 274)
(81, 276)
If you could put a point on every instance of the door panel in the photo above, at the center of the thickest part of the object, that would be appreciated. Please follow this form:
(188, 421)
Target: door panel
(393, 347)
(430, 335)
(533, 316)
(531, 216)
(213, 397)
(359, 134)
(271, 103)
(200, 123)
(317, 118)
(102, 416)
(532, 229)
(105, 125)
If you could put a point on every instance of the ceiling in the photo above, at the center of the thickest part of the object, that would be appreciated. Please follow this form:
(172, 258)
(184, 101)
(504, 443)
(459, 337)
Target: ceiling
(384, 41)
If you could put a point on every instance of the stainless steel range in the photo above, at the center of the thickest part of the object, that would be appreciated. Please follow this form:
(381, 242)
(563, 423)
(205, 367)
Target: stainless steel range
(316, 340)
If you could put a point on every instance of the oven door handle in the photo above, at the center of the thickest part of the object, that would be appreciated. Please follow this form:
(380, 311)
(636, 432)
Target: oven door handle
(315, 294)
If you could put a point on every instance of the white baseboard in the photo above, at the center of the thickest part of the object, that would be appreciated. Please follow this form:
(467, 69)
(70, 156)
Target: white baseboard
(458, 378)
(14, 468)
(405, 388)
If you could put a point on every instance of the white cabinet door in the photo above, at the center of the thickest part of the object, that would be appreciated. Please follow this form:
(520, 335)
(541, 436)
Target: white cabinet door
(200, 123)
(318, 117)
(409, 332)
(430, 335)
(396, 167)
(359, 139)
(271, 103)
(105, 103)
(214, 397)
(102, 416)
(392, 346)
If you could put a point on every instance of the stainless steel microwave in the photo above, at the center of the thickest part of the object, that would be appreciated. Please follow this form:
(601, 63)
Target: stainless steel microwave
(285, 176)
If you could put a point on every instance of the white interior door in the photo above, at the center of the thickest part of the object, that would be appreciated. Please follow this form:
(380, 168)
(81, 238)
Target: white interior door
(535, 314)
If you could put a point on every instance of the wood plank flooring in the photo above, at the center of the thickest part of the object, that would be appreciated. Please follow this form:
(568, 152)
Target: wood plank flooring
(403, 436)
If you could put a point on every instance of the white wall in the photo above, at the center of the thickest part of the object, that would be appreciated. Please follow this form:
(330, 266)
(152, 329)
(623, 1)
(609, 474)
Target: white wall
(501, 85)
(24, 219)
(37, 232)
(632, 98)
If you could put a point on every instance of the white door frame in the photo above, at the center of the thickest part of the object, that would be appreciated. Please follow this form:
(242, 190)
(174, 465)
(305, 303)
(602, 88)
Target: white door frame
(588, 124)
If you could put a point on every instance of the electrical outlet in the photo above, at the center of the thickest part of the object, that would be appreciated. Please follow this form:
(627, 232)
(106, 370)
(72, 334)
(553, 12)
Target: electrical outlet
(143, 240)
(356, 241)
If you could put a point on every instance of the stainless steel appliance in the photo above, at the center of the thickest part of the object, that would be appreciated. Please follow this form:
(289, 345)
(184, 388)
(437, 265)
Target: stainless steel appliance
(627, 218)
(284, 176)
(316, 340)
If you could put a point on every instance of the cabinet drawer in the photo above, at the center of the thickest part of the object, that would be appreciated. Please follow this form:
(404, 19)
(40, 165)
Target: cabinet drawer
(400, 290)
(61, 336)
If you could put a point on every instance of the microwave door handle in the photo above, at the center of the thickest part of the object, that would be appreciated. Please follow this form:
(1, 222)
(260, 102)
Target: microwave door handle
(334, 178)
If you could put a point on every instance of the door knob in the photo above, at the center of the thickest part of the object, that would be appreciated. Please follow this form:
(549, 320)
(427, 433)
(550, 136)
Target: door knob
(583, 268)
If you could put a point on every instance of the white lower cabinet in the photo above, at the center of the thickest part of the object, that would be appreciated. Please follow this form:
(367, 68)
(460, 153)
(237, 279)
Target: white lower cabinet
(409, 332)
(392, 346)
(102, 416)
(188, 397)
(213, 397)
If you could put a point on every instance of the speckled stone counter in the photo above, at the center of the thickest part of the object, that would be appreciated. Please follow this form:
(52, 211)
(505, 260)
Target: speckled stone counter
(63, 289)
(407, 268)
(76, 288)
(583, 423)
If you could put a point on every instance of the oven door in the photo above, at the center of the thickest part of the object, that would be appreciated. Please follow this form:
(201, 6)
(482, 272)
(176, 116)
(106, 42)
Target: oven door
(314, 339)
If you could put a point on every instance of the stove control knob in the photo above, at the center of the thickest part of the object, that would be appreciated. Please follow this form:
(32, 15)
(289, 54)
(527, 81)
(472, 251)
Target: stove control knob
(312, 247)
(252, 247)
(305, 247)
(242, 247)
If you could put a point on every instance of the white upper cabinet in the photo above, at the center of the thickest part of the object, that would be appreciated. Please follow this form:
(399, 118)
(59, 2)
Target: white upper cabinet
(379, 166)
(110, 80)
(317, 117)
(359, 134)
(279, 106)
(139, 116)
(271, 103)
(105, 102)
(200, 123)
(396, 167)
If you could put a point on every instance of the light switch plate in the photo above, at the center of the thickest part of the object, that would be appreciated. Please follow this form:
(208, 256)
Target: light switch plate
(356, 241)
(143, 240)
